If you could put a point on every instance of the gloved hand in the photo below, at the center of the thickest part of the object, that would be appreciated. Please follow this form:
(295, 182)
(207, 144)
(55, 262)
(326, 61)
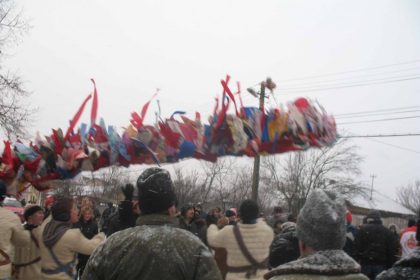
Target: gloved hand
(128, 191)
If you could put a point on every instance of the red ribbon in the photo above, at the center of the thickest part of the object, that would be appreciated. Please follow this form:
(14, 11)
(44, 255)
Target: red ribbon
(76, 118)
(94, 110)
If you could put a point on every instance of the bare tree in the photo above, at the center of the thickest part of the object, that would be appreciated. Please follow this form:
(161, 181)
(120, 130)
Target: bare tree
(15, 114)
(409, 196)
(294, 175)
(104, 186)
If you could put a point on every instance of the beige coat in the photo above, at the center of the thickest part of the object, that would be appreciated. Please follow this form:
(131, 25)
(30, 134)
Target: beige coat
(11, 232)
(70, 243)
(27, 261)
(257, 238)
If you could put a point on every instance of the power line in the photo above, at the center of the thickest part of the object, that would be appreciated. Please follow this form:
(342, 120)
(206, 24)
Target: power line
(349, 77)
(381, 110)
(395, 146)
(381, 135)
(376, 114)
(381, 120)
(350, 82)
(351, 71)
(349, 86)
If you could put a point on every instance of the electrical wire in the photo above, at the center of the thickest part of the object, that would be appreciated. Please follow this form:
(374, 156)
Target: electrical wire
(376, 114)
(381, 135)
(350, 71)
(380, 120)
(380, 110)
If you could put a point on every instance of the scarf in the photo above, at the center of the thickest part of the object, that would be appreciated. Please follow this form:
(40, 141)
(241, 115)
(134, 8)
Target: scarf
(53, 231)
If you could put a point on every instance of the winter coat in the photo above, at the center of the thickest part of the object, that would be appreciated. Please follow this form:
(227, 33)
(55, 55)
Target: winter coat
(121, 219)
(89, 229)
(154, 249)
(349, 246)
(68, 245)
(104, 222)
(285, 248)
(408, 268)
(11, 233)
(257, 238)
(27, 260)
(197, 227)
(322, 265)
(408, 240)
(375, 245)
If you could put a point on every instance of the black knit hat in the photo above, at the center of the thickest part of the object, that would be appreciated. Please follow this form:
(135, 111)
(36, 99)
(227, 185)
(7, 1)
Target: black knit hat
(30, 210)
(3, 190)
(155, 191)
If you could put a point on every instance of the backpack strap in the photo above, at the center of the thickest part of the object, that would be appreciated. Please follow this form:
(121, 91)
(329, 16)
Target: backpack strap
(66, 268)
(6, 258)
(242, 246)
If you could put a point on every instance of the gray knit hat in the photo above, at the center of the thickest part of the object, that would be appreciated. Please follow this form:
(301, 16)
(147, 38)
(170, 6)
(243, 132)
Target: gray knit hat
(321, 223)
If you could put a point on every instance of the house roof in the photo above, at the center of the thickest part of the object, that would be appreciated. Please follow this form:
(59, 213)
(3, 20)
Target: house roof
(380, 202)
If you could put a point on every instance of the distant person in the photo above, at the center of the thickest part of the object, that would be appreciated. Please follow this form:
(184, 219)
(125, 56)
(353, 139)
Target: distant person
(89, 228)
(231, 215)
(321, 230)
(408, 267)
(247, 243)
(351, 234)
(285, 246)
(375, 245)
(408, 240)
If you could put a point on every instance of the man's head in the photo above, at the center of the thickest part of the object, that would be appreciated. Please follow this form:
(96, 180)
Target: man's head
(33, 215)
(321, 223)
(248, 211)
(188, 211)
(64, 210)
(374, 217)
(230, 215)
(411, 222)
(155, 191)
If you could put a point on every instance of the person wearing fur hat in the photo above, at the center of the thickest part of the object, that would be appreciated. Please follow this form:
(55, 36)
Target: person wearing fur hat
(247, 243)
(376, 247)
(11, 234)
(321, 230)
(408, 267)
(27, 259)
(59, 242)
(156, 248)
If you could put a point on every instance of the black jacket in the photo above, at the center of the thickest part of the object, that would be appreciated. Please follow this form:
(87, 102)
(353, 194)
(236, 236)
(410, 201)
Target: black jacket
(122, 219)
(375, 245)
(283, 249)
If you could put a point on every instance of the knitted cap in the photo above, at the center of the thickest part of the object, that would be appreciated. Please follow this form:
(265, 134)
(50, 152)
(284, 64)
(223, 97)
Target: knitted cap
(30, 210)
(155, 190)
(321, 222)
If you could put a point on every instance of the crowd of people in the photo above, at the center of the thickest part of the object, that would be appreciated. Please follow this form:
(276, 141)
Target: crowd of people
(147, 237)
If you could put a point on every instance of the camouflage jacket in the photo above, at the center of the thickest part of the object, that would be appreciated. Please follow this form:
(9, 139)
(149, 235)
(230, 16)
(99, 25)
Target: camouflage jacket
(154, 249)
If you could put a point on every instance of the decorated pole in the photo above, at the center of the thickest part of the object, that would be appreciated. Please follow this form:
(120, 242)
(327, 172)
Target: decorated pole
(256, 170)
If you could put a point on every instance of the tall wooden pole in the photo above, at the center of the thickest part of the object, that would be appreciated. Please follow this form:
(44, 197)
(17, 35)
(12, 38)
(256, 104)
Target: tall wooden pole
(256, 171)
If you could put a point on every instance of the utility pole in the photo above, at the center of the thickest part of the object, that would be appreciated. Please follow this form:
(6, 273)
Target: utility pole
(256, 170)
(373, 176)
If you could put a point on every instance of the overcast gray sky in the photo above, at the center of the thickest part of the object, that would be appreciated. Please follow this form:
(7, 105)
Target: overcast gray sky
(186, 47)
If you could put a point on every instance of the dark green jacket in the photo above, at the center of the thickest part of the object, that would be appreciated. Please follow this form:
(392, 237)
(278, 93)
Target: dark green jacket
(154, 249)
